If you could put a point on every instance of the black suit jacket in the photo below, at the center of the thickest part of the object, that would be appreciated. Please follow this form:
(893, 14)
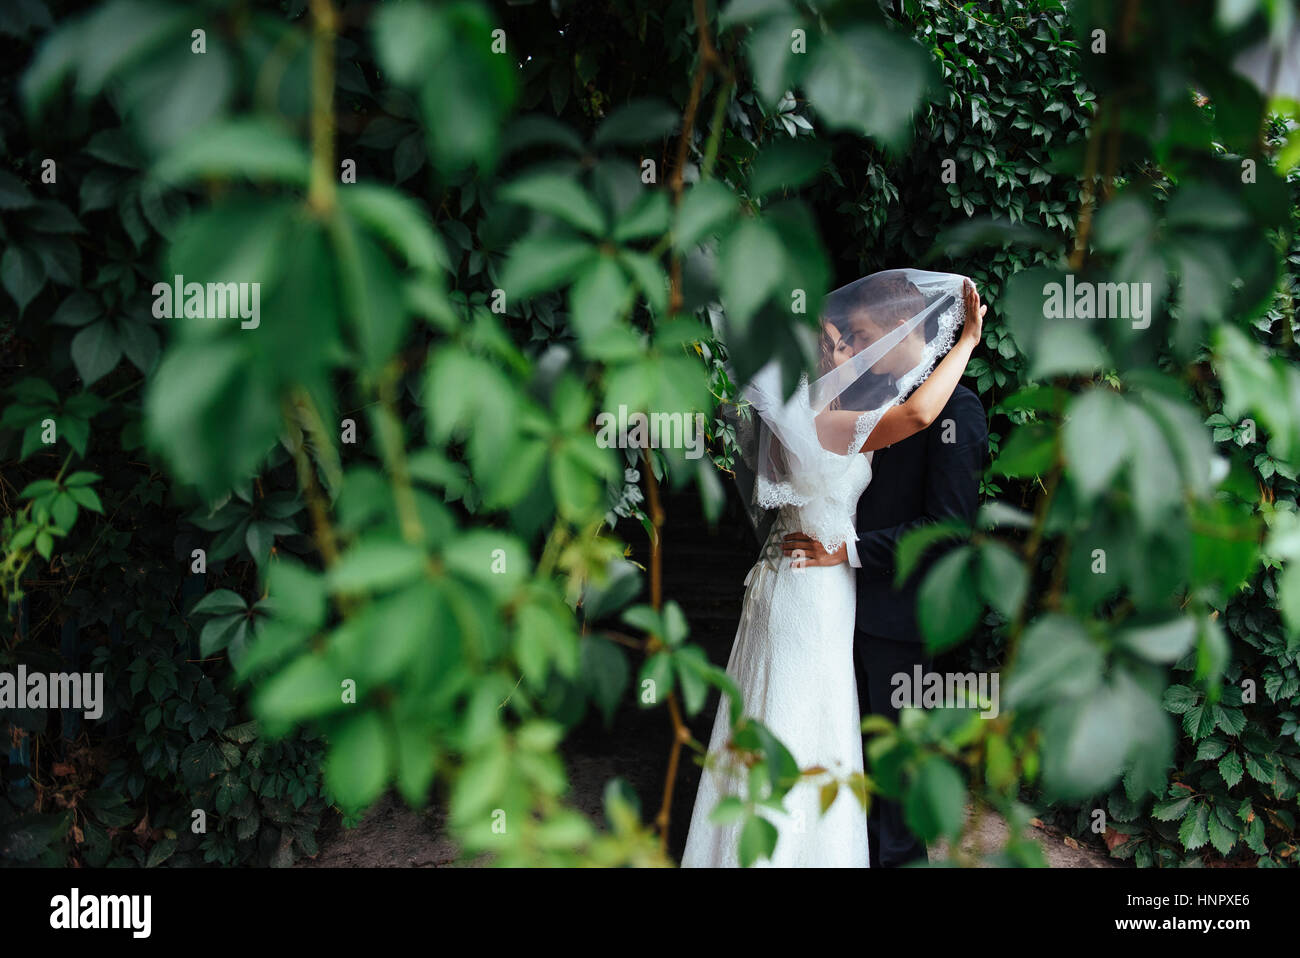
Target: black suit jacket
(918, 480)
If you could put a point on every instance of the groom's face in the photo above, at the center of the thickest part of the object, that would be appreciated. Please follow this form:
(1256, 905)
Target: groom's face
(865, 329)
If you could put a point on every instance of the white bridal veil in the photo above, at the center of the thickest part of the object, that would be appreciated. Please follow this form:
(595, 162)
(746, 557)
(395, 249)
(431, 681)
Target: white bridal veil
(880, 337)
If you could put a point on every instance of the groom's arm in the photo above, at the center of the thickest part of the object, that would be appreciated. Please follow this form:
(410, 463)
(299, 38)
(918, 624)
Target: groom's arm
(952, 481)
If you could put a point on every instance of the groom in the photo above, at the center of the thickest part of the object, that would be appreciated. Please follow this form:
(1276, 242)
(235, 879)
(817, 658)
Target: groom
(927, 477)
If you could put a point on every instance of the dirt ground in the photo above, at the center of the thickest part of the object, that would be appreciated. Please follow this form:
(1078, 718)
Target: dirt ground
(394, 836)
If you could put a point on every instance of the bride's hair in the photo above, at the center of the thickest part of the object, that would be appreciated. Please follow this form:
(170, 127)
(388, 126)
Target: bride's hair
(825, 351)
(826, 357)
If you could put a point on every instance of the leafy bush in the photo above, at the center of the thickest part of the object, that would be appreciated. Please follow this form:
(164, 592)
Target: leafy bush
(414, 543)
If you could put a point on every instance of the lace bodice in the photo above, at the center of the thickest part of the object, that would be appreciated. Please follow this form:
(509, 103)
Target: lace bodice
(822, 502)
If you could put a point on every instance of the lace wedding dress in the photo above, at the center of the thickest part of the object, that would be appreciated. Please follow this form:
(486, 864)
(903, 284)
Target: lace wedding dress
(793, 662)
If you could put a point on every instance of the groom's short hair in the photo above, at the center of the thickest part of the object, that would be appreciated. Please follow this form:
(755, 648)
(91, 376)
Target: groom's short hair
(890, 298)
(884, 298)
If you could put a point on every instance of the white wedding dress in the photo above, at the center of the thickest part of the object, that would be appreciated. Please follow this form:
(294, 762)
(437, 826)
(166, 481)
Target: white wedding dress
(793, 662)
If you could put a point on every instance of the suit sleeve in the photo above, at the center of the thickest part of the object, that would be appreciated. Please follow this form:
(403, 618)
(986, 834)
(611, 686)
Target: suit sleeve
(952, 481)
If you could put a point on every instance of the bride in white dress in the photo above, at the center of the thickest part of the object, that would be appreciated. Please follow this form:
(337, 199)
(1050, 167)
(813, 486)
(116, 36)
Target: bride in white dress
(792, 659)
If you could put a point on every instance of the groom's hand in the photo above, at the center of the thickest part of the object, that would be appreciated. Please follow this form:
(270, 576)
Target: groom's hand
(807, 551)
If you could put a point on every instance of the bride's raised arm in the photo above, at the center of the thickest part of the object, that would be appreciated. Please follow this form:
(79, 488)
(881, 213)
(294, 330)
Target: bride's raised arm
(924, 405)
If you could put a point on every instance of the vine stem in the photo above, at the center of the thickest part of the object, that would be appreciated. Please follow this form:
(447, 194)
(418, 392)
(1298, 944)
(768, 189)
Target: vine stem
(707, 59)
(1031, 558)
(1087, 195)
(394, 449)
(324, 531)
(321, 192)
(680, 731)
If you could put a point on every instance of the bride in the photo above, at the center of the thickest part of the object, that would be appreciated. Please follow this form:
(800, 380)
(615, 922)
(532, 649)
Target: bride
(792, 660)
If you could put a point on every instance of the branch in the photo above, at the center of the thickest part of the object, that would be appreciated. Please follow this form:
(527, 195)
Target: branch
(320, 195)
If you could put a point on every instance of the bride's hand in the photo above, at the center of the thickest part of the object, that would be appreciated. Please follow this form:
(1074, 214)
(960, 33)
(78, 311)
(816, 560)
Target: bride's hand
(974, 328)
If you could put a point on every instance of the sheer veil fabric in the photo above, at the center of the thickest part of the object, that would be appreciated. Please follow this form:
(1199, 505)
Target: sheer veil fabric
(894, 325)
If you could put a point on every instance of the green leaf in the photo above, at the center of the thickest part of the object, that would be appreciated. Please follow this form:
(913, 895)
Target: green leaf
(1153, 472)
(539, 263)
(729, 811)
(1202, 206)
(601, 598)
(1193, 832)
(1221, 837)
(1029, 452)
(558, 196)
(218, 632)
(692, 666)
(219, 602)
(1085, 742)
(259, 537)
(308, 687)
(604, 672)
(934, 805)
(1054, 661)
(947, 608)
(38, 487)
(544, 640)
(870, 80)
(1288, 599)
(253, 149)
(757, 840)
(417, 759)
(1163, 642)
(649, 216)
(595, 299)
(704, 210)
(213, 417)
(14, 194)
(466, 80)
(23, 275)
(1171, 811)
(388, 642)
(375, 564)
(1122, 222)
(1094, 441)
(508, 487)
(751, 265)
(407, 36)
(637, 121)
(359, 761)
(575, 489)
(917, 542)
(645, 618)
(1231, 769)
(1180, 699)
(77, 310)
(649, 276)
(96, 351)
(140, 344)
(63, 510)
(496, 560)
(397, 220)
(1004, 581)
(787, 164)
(675, 625)
(160, 851)
(371, 294)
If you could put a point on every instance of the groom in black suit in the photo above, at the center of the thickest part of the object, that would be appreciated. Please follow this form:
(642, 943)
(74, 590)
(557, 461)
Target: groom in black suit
(929, 476)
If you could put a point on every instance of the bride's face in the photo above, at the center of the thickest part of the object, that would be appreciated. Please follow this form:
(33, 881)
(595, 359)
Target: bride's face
(836, 345)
